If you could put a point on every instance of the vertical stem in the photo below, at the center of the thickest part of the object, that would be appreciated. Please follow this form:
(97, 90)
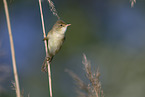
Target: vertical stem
(49, 77)
(12, 50)
(46, 49)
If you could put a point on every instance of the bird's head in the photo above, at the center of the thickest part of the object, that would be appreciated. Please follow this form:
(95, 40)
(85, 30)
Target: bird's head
(60, 26)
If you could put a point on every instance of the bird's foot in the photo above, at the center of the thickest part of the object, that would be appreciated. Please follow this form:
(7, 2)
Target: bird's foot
(48, 59)
(45, 38)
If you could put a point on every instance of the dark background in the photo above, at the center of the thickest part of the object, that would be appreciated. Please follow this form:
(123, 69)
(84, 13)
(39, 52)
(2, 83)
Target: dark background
(109, 32)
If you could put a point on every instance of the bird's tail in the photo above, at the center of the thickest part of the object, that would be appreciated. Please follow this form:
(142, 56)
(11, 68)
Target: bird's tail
(44, 65)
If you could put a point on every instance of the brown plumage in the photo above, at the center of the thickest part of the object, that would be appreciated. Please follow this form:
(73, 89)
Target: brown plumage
(56, 38)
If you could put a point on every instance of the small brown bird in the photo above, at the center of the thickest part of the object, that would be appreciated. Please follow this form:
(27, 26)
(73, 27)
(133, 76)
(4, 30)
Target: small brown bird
(55, 38)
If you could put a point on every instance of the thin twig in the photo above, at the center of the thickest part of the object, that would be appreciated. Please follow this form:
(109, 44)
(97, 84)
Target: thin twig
(12, 50)
(46, 49)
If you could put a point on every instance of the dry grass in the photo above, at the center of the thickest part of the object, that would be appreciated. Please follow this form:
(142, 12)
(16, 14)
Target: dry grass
(17, 87)
(92, 89)
(132, 2)
(52, 8)
(46, 49)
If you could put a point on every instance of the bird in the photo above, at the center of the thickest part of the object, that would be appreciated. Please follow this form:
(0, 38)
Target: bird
(55, 38)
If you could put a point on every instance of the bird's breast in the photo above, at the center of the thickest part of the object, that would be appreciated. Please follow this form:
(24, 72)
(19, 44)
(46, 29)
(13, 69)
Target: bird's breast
(54, 42)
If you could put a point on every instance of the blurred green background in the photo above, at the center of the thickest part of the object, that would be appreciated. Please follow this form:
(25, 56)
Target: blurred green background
(109, 32)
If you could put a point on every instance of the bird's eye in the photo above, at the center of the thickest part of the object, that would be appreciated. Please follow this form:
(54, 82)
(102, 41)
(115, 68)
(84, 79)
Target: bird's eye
(61, 25)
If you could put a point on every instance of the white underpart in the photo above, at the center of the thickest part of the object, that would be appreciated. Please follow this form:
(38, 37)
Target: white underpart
(63, 30)
(55, 41)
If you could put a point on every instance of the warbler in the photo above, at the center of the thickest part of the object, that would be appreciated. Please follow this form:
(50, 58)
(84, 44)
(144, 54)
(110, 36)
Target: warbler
(55, 38)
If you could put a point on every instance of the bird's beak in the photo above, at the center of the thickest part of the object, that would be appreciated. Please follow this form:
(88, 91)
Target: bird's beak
(68, 24)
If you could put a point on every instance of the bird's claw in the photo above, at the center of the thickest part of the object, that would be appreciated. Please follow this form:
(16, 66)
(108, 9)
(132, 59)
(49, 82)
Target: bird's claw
(48, 59)
(45, 38)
